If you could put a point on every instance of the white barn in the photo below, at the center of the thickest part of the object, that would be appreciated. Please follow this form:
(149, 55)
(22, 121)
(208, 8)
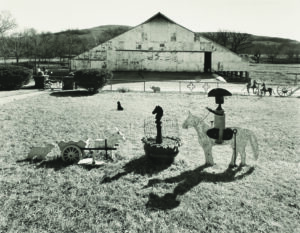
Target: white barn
(159, 44)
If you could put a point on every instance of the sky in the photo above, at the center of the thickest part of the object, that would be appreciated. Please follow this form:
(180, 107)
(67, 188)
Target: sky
(275, 18)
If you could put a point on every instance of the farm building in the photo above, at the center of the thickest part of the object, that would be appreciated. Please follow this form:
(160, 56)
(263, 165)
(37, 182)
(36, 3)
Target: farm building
(160, 45)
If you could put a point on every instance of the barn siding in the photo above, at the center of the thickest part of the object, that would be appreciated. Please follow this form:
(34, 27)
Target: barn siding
(158, 45)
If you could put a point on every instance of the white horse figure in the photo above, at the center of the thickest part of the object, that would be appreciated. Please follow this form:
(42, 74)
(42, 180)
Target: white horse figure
(242, 138)
(111, 141)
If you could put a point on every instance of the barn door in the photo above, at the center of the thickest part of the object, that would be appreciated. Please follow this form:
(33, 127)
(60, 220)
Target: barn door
(207, 62)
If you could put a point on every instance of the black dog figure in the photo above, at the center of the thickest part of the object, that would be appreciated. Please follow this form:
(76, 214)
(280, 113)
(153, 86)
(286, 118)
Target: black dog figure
(120, 108)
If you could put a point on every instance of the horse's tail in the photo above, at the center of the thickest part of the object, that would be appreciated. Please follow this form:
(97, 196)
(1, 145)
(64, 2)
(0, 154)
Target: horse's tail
(254, 145)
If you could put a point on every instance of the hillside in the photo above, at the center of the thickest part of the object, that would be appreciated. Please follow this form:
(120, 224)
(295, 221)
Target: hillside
(100, 33)
(270, 49)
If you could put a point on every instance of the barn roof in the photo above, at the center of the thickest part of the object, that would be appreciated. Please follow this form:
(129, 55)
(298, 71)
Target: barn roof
(160, 15)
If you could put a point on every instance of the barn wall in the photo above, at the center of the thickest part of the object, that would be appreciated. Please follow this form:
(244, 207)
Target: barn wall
(157, 45)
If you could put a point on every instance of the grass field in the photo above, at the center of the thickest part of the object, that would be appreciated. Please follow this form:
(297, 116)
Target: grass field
(134, 195)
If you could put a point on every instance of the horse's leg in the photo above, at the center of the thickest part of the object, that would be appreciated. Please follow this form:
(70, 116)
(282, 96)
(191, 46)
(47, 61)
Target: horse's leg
(243, 157)
(112, 155)
(233, 159)
(208, 155)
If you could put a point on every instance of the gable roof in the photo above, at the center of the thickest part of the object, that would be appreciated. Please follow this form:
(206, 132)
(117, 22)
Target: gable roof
(160, 15)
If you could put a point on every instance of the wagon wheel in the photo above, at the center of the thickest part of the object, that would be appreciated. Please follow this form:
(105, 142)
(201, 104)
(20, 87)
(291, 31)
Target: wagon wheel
(284, 91)
(71, 154)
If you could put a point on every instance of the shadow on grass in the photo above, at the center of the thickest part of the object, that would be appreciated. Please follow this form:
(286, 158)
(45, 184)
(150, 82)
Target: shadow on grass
(186, 181)
(142, 166)
(75, 93)
(56, 164)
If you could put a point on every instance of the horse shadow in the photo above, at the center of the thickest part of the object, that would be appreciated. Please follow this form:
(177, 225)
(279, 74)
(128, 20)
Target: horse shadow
(186, 181)
(142, 166)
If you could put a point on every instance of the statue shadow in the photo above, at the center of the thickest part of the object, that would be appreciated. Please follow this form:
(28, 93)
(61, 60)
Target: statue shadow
(186, 181)
(75, 93)
(56, 164)
(142, 166)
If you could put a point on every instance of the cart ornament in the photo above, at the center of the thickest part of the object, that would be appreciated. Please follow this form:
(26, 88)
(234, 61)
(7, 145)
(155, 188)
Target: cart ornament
(39, 153)
(72, 152)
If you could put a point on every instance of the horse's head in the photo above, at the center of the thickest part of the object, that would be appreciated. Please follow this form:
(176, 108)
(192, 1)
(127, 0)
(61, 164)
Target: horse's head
(190, 121)
(158, 111)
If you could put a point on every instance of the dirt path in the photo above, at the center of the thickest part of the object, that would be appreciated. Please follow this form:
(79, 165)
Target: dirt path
(9, 96)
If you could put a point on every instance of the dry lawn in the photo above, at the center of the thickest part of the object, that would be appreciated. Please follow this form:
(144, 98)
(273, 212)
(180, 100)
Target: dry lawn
(135, 195)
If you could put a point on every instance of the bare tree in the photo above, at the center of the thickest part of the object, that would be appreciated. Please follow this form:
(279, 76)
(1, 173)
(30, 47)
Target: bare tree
(257, 55)
(17, 45)
(224, 37)
(7, 22)
(4, 49)
(235, 41)
(272, 53)
(240, 41)
(221, 37)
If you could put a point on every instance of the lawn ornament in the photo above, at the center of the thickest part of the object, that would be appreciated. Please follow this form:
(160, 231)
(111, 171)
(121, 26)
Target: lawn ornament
(39, 153)
(155, 89)
(72, 152)
(264, 90)
(219, 132)
(252, 84)
(159, 113)
(242, 138)
(119, 108)
(159, 147)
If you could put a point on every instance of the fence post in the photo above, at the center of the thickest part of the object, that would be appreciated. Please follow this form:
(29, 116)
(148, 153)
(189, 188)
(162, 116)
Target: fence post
(179, 86)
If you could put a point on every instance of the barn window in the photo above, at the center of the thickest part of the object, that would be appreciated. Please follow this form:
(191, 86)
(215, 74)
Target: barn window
(138, 45)
(196, 37)
(162, 45)
(144, 36)
(121, 44)
(173, 36)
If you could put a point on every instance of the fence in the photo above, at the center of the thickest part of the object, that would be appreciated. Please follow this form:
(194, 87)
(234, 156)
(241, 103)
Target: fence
(181, 86)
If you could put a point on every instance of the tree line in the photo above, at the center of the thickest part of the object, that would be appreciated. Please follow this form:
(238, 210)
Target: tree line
(40, 47)
(271, 50)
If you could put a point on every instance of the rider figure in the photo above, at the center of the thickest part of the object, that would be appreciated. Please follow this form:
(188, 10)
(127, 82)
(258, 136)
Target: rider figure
(250, 85)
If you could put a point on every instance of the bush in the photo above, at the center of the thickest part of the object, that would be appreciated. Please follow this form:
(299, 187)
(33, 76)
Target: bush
(28, 65)
(14, 77)
(92, 79)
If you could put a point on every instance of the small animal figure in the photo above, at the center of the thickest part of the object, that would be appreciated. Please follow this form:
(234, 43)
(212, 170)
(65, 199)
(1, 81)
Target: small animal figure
(120, 108)
(155, 89)
(39, 153)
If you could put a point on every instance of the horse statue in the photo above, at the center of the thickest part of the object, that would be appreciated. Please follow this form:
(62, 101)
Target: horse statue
(242, 138)
(159, 113)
